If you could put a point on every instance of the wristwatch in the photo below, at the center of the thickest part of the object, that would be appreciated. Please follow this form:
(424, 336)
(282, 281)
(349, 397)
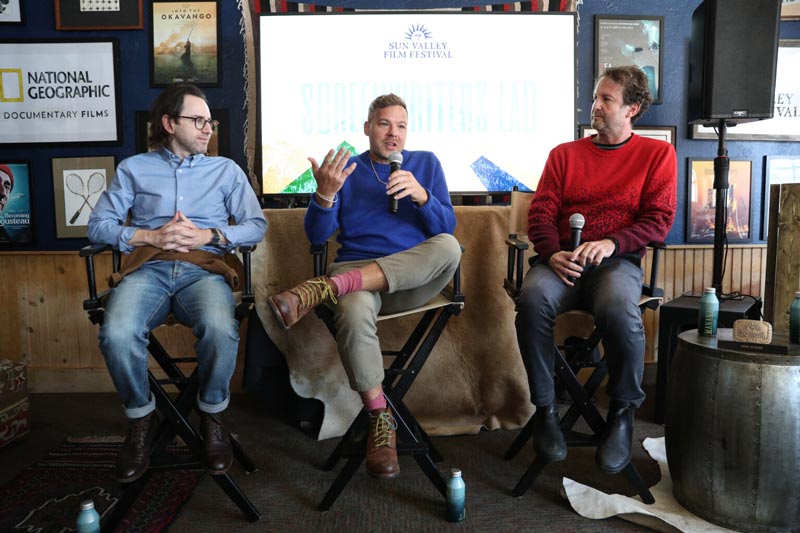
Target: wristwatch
(215, 236)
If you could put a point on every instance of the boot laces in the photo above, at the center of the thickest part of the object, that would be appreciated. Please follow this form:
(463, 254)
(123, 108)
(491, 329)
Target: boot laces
(313, 292)
(384, 425)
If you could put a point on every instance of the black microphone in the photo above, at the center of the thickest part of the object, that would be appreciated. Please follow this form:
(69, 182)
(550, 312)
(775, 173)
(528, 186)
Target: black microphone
(576, 222)
(395, 160)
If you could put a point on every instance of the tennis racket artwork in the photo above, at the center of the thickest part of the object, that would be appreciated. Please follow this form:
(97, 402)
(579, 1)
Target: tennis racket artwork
(76, 186)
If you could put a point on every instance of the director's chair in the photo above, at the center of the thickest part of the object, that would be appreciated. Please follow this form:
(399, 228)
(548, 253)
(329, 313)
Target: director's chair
(405, 365)
(574, 354)
(174, 410)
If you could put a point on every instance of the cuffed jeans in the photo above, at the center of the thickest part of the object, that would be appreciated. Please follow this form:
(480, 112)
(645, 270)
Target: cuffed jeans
(414, 277)
(611, 292)
(143, 300)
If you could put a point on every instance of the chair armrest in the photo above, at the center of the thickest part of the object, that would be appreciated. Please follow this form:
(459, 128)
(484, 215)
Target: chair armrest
(95, 300)
(650, 288)
(516, 256)
(319, 253)
(248, 296)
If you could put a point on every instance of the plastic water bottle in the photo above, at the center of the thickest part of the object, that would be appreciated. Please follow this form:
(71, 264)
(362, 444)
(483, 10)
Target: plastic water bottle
(709, 311)
(794, 319)
(456, 496)
(88, 520)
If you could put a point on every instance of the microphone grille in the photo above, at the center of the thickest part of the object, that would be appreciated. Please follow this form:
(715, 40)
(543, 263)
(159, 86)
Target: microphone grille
(576, 221)
(396, 157)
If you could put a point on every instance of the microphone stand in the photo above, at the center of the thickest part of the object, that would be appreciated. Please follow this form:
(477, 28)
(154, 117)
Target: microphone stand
(721, 184)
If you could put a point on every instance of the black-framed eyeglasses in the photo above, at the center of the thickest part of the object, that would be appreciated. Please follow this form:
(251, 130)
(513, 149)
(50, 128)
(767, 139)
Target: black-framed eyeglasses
(200, 122)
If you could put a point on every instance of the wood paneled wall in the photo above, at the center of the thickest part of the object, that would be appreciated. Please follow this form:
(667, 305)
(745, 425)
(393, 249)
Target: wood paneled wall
(44, 323)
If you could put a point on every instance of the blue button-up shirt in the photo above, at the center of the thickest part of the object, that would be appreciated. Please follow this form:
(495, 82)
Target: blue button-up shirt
(213, 192)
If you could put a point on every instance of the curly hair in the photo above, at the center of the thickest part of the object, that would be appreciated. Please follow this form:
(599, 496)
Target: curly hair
(170, 103)
(385, 100)
(635, 88)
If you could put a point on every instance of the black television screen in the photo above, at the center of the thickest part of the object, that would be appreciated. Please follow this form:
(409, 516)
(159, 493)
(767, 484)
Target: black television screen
(490, 93)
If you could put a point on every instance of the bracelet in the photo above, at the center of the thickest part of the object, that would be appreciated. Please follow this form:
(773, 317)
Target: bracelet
(332, 199)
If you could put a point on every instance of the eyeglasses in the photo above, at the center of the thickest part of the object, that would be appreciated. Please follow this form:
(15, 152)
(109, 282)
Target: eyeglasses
(200, 122)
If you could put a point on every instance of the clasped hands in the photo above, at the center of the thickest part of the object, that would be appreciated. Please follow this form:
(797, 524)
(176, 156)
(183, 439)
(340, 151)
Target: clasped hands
(568, 264)
(332, 173)
(179, 235)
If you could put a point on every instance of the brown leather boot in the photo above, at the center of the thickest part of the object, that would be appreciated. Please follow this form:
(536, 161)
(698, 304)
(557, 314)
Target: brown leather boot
(134, 457)
(216, 443)
(382, 445)
(292, 305)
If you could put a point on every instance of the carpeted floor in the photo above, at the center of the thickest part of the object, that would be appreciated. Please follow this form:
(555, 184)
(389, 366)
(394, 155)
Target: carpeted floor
(289, 483)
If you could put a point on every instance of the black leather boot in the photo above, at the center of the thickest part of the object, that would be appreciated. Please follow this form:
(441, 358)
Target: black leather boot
(134, 457)
(614, 452)
(548, 440)
(217, 445)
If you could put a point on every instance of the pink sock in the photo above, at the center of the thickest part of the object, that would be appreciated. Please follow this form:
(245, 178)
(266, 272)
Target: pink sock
(350, 281)
(378, 402)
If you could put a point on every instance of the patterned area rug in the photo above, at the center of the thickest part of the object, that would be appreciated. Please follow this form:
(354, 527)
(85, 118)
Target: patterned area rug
(47, 495)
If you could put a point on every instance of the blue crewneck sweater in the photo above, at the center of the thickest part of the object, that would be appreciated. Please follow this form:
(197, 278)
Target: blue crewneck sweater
(366, 228)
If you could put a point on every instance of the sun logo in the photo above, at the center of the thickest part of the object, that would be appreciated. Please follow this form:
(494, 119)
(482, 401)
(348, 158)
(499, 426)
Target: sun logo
(417, 32)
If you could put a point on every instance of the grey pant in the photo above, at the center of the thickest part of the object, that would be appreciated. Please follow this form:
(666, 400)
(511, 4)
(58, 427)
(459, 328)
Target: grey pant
(611, 292)
(414, 277)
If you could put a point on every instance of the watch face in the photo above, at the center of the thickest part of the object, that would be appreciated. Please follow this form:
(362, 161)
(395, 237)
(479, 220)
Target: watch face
(215, 236)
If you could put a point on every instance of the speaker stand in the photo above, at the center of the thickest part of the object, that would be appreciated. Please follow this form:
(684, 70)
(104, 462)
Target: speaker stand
(721, 167)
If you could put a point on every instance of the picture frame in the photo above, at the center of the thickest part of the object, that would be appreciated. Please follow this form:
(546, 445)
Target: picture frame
(219, 145)
(12, 12)
(99, 15)
(785, 124)
(631, 40)
(184, 43)
(790, 10)
(37, 108)
(16, 216)
(778, 169)
(663, 133)
(701, 201)
(77, 184)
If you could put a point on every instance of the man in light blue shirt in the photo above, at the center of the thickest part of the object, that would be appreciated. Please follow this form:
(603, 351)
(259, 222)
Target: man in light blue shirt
(175, 212)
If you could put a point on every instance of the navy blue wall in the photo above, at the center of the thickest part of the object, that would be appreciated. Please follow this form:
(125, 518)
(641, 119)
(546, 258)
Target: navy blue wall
(137, 94)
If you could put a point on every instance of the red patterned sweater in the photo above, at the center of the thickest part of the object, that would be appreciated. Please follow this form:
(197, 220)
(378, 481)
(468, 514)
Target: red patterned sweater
(627, 194)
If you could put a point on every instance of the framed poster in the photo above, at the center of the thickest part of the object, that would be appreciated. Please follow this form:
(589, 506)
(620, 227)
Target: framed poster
(630, 40)
(785, 122)
(99, 14)
(60, 91)
(77, 184)
(219, 144)
(790, 10)
(184, 43)
(778, 169)
(15, 203)
(12, 12)
(663, 133)
(702, 208)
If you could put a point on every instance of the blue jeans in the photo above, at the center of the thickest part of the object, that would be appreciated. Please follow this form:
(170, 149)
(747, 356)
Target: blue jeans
(611, 292)
(143, 300)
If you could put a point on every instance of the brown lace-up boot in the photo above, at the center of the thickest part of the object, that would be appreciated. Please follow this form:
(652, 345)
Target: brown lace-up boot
(134, 457)
(217, 446)
(382, 445)
(292, 305)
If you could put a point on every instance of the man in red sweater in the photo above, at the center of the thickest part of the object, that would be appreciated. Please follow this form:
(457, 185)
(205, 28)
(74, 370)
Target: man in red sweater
(625, 187)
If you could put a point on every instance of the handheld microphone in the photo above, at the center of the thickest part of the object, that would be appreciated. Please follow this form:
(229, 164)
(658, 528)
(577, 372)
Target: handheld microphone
(395, 160)
(576, 222)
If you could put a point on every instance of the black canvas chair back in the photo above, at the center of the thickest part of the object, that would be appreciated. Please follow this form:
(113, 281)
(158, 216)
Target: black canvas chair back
(576, 352)
(176, 404)
(403, 366)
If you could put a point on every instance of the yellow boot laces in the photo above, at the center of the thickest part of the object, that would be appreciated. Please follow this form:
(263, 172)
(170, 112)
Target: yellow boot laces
(384, 425)
(314, 292)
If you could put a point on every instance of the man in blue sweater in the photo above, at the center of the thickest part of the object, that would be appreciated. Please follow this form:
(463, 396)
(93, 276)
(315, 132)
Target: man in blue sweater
(388, 262)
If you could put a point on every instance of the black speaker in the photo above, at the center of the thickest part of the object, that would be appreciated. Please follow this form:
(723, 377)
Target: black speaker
(732, 60)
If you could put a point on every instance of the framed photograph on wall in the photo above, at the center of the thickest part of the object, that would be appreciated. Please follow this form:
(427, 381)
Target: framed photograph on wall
(663, 133)
(778, 169)
(99, 14)
(631, 40)
(77, 184)
(15, 203)
(702, 208)
(60, 91)
(218, 145)
(790, 10)
(785, 123)
(184, 40)
(12, 12)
